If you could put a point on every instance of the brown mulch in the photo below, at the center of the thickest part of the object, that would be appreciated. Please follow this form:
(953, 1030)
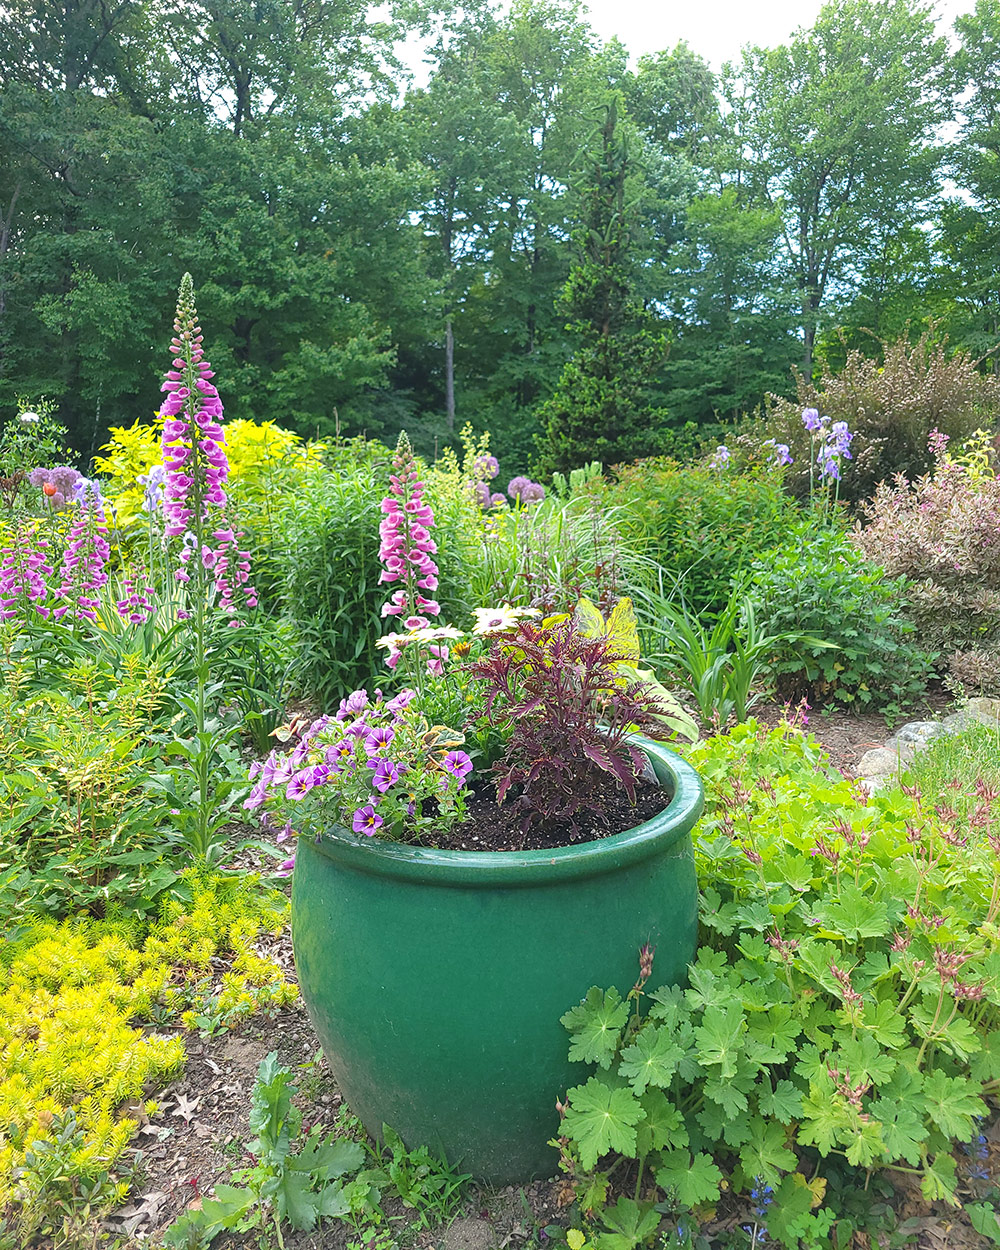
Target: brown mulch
(847, 735)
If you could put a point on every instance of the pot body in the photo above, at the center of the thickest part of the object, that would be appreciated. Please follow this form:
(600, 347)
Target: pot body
(435, 980)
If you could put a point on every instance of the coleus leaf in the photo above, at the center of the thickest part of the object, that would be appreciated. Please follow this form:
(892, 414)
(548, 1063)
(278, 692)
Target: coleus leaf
(595, 1026)
(693, 1180)
(600, 1119)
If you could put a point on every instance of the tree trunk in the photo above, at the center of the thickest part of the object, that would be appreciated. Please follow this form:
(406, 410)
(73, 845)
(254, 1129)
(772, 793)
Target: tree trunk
(449, 375)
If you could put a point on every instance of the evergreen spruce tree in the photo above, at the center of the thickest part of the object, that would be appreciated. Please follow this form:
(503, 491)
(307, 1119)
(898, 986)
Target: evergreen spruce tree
(600, 409)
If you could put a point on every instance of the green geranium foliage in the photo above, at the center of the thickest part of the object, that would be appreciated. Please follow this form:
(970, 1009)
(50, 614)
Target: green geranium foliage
(840, 1016)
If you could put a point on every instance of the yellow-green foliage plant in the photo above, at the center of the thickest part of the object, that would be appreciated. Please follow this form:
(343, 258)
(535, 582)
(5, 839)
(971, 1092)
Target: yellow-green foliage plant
(74, 996)
(263, 460)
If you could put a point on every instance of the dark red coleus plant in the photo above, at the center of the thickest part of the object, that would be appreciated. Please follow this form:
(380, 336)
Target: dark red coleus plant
(570, 713)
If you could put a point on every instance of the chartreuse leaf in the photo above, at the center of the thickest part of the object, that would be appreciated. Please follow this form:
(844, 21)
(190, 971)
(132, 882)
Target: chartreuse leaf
(651, 1059)
(595, 1026)
(600, 1119)
(958, 1036)
(693, 1180)
(630, 1223)
(887, 1026)
(952, 1103)
(865, 1143)
(939, 1181)
(822, 1118)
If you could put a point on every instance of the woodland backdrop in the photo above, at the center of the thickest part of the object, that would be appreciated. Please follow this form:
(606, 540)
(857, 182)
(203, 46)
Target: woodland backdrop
(541, 235)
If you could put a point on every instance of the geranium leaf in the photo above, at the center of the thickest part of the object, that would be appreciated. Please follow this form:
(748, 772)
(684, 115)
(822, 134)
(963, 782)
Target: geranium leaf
(596, 1025)
(952, 1103)
(600, 1119)
(651, 1059)
(693, 1180)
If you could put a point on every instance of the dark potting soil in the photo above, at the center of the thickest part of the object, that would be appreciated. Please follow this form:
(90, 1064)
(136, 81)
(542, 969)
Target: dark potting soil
(489, 827)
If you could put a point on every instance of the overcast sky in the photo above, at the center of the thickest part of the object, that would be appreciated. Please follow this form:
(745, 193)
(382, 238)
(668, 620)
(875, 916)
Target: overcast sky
(717, 29)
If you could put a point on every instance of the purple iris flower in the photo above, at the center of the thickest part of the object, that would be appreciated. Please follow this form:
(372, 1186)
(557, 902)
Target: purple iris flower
(811, 419)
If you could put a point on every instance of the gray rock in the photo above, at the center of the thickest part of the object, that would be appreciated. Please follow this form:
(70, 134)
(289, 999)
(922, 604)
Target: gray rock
(917, 733)
(470, 1234)
(877, 763)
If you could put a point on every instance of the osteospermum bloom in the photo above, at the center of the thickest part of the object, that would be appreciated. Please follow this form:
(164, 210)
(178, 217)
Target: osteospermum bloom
(493, 620)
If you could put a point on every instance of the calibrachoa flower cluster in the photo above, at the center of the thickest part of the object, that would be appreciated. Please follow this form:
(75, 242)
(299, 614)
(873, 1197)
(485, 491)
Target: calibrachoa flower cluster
(195, 467)
(372, 768)
(23, 569)
(58, 485)
(84, 563)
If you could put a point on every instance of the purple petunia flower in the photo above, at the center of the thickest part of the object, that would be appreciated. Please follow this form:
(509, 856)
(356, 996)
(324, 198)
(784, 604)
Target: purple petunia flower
(386, 774)
(458, 764)
(366, 820)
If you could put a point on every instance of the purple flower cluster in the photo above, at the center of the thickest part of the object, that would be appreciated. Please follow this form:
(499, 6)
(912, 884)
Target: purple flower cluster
(523, 490)
(195, 468)
(782, 455)
(372, 758)
(84, 564)
(58, 485)
(137, 603)
(720, 457)
(834, 442)
(23, 570)
(153, 484)
(485, 469)
(407, 547)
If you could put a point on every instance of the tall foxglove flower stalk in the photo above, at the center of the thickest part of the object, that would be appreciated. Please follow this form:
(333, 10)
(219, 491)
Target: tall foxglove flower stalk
(84, 563)
(209, 566)
(23, 572)
(407, 549)
(195, 470)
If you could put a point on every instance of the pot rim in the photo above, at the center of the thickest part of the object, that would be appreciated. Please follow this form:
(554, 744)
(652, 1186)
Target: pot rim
(486, 869)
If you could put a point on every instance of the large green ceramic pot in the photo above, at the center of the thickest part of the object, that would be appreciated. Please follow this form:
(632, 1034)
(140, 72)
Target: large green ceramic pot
(435, 979)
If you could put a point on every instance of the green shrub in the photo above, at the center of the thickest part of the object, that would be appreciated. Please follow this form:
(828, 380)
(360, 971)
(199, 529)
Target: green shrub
(819, 583)
(891, 406)
(839, 1021)
(702, 526)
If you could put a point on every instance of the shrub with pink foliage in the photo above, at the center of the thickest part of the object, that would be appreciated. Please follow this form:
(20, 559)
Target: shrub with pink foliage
(943, 532)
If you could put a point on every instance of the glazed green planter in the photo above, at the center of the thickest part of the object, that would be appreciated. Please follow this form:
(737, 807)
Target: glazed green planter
(435, 980)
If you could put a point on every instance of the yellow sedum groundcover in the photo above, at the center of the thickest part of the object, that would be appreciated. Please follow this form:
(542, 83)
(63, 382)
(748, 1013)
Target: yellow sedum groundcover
(75, 997)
